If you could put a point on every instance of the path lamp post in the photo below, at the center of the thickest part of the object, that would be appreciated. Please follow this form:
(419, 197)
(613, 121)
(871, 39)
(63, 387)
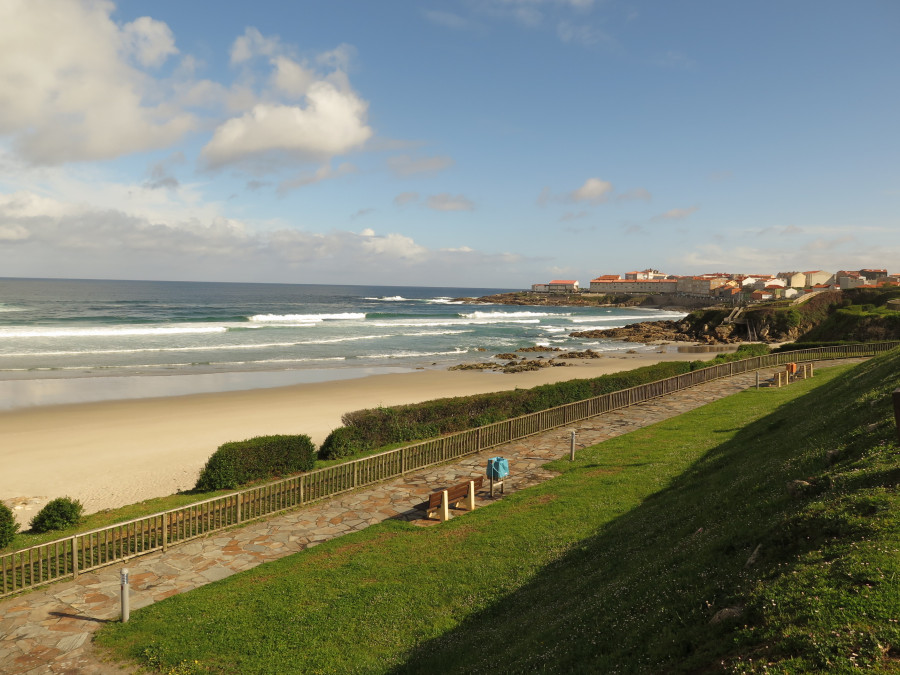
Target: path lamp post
(126, 601)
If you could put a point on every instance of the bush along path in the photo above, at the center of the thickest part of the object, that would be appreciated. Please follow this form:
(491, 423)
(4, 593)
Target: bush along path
(48, 630)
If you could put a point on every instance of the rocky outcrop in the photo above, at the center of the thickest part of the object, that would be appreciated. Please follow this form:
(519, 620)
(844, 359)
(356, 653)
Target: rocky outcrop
(646, 332)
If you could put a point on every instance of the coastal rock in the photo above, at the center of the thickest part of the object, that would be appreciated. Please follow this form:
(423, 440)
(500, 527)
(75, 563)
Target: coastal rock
(539, 348)
(507, 356)
(645, 332)
(586, 354)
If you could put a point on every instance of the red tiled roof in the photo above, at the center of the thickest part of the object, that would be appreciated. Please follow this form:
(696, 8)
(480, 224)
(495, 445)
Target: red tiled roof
(563, 281)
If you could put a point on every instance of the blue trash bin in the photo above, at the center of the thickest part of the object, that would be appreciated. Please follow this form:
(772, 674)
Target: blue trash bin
(497, 468)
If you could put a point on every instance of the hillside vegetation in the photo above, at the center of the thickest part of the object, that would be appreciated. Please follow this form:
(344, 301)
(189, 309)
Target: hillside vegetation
(760, 532)
(859, 315)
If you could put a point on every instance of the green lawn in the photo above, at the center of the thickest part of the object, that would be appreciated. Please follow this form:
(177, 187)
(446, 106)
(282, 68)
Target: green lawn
(618, 565)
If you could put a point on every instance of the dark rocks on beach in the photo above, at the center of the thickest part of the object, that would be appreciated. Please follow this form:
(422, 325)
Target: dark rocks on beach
(514, 366)
(645, 332)
(586, 354)
(507, 356)
(539, 348)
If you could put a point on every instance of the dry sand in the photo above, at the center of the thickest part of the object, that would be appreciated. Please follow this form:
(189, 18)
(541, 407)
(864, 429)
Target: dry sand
(121, 452)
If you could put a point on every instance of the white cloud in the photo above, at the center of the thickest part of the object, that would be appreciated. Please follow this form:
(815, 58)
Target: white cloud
(322, 173)
(304, 115)
(332, 123)
(677, 214)
(291, 78)
(594, 190)
(69, 89)
(252, 43)
(44, 236)
(404, 165)
(448, 202)
(405, 198)
(150, 40)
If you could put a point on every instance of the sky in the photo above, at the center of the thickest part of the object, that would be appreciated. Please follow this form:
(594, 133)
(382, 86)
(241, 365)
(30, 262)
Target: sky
(468, 143)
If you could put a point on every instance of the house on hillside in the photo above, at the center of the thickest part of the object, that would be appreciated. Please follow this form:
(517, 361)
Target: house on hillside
(701, 285)
(614, 286)
(817, 277)
(873, 274)
(793, 279)
(645, 275)
(540, 288)
(563, 286)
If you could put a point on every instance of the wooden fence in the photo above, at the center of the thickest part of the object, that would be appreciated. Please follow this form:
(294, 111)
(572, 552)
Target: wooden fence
(69, 557)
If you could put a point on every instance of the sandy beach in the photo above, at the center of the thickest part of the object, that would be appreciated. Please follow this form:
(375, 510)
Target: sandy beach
(109, 454)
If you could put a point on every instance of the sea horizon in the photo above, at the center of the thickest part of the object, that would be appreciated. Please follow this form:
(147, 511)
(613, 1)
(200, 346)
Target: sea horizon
(81, 340)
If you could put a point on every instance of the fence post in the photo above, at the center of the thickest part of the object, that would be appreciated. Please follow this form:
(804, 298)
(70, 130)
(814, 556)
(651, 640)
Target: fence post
(74, 559)
(166, 519)
(897, 411)
(240, 505)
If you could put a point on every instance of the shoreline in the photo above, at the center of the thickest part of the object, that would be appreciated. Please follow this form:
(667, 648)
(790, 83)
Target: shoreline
(113, 453)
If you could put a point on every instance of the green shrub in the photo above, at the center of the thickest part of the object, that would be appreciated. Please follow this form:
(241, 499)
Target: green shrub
(8, 526)
(745, 351)
(377, 427)
(264, 457)
(343, 442)
(57, 514)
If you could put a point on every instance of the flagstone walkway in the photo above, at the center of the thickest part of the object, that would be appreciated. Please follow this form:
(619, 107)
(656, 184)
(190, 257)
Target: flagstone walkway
(48, 630)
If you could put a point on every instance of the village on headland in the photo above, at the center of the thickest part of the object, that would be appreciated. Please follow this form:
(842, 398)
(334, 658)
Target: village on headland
(729, 287)
(723, 305)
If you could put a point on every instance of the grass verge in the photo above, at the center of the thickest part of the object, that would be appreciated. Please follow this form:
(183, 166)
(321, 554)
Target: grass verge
(767, 505)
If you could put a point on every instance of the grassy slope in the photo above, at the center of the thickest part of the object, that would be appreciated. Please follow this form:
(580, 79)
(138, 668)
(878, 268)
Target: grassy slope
(617, 565)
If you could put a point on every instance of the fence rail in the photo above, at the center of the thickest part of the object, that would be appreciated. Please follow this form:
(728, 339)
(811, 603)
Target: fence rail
(69, 557)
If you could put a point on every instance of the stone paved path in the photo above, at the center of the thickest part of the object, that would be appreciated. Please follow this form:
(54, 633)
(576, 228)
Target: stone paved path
(49, 629)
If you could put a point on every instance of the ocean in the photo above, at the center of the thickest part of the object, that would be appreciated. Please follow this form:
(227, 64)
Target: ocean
(64, 341)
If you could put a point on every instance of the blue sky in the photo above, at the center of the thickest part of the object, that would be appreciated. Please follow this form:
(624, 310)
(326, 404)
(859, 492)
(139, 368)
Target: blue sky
(470, 143)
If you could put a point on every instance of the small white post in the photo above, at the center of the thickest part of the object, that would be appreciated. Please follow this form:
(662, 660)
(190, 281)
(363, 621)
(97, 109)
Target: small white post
(757, 379)
(444, 514)
(470, 502)
(126, 601)
(572, 447)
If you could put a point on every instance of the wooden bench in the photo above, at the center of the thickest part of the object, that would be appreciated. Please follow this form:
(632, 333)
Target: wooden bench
(440, 500)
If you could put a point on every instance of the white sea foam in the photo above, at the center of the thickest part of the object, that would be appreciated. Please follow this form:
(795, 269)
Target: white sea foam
(447, 322)
(391, 298)
(407, 355)
(109, 331)
(306, 318)
(502, 315)
(628, 318)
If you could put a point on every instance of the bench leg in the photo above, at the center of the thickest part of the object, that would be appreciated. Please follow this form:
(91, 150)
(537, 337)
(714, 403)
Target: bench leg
(444, 514)
(470, 501)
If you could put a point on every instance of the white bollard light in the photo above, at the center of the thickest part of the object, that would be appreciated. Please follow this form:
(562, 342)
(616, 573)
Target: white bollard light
(126, 602)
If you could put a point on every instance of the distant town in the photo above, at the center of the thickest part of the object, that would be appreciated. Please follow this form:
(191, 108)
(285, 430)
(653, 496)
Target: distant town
(746, 287)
